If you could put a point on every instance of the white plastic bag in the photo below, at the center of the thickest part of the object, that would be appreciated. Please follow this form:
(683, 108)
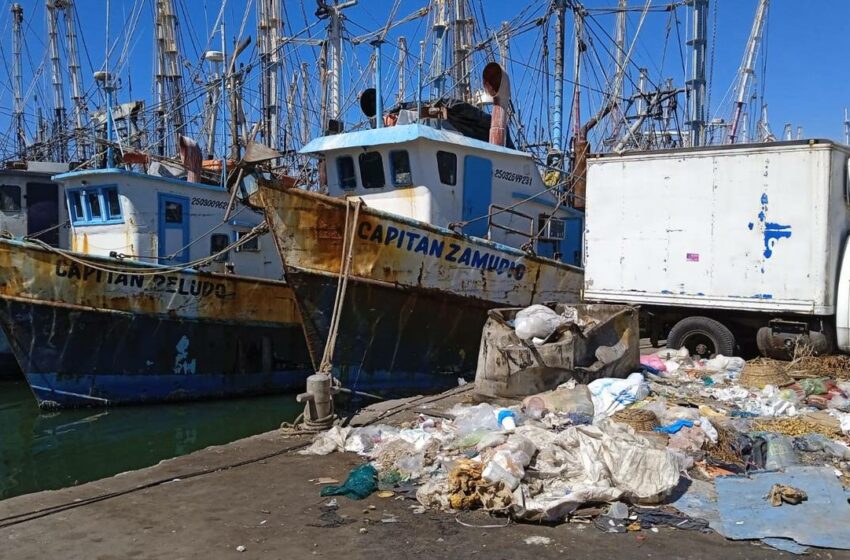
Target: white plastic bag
(537, 321)
(610, 394)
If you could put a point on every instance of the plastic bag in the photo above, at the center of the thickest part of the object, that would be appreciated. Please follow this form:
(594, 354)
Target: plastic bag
(509, 461)
(537, 321)
(780, 452)
(563, 400)
(814, 386)
(481, 417)
(361, 482)
(610, 395)
(654, 362)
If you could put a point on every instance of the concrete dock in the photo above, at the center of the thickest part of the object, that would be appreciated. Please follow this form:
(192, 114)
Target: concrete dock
(258, 498)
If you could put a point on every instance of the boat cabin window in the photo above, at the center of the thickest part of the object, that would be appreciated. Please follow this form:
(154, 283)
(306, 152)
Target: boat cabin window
(447, 166)
(551, 229)
(400, 167)
(173, 212)
(372, 170)
(93, 202)
(112, 204)
(251, 246)
(75, 202)
(219, 242)
(10, 198)
(94, 205)
(345, 172)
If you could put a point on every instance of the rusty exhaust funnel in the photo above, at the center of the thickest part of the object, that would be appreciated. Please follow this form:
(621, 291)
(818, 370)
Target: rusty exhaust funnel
(498, 85)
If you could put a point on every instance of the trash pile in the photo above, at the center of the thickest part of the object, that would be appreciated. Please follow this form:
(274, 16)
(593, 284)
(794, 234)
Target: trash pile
(684, 442)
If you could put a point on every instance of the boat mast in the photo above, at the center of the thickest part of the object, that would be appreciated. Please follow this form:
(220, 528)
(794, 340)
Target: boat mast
(269, 25)
(20, 136)
(334, 15)
(558, 106)
(75, 74)
(213, 102)
(462, 49)
(59, 140)
(745, 73)
(402, 61)
(846, 128)
(579, 143)
(505, 44)
(696, 85)
(439, 27)
(169, 80)
(305, 98)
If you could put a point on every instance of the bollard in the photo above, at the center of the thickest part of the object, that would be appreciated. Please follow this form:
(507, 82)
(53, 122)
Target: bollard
(319, 406)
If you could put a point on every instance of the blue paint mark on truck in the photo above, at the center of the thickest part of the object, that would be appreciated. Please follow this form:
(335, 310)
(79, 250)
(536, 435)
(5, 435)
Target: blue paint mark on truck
(771, 231)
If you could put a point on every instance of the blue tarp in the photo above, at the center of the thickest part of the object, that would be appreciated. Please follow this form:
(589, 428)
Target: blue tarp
(822, 520)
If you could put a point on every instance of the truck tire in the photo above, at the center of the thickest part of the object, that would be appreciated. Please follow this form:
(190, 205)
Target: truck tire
(702, 336)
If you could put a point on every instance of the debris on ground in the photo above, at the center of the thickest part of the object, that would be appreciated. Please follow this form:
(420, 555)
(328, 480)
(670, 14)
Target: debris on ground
(361, 482)
(680, 442)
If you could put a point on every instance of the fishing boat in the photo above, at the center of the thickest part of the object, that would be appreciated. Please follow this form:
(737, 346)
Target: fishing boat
(416, 291)
(160, 298)
(31, 205)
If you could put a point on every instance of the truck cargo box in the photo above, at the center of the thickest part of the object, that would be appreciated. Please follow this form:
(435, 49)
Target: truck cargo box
(756, 227)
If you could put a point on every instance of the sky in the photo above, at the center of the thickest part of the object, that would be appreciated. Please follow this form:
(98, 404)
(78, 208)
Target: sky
(805, 81)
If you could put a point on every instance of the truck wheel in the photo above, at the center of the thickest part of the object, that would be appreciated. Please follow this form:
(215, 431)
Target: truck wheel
(702, 336)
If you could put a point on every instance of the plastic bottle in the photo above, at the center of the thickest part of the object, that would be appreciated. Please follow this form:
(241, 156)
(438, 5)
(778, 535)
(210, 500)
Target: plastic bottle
(506, 419)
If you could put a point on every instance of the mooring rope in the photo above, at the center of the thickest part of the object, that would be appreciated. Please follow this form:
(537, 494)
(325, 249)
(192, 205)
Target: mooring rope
(159, 269)
(342, 282)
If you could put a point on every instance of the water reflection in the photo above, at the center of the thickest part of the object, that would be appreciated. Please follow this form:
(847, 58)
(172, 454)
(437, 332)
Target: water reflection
(49, 450)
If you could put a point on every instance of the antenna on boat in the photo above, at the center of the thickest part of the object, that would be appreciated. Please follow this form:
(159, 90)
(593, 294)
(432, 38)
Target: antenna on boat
(216, 91)
(379, 101)
(104, 78)
(402, 61)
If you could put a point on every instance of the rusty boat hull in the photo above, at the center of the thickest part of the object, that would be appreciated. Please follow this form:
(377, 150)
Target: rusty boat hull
(417, 296)
(87, 336)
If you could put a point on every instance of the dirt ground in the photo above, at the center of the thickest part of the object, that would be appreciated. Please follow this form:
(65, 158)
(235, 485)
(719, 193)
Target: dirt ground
(273, 510)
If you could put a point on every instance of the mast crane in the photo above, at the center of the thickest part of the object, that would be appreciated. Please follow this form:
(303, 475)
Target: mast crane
(60, 152)
(18, 111)
(697, 84)
(333, 13)
(269, 26)
(169, 80)
(78, 100)
(745, 72)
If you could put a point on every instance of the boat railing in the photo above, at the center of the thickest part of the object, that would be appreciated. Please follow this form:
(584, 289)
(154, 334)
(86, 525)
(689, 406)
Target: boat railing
(496, 210)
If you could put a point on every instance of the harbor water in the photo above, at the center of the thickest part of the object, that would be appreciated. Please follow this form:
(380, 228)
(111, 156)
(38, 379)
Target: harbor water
(44, 450)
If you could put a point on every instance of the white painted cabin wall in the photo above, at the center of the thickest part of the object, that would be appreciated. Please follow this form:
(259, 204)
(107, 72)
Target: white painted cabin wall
(138, 235)
(431, 201)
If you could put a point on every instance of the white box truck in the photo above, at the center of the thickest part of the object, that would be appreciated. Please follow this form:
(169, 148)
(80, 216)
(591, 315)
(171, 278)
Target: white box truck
(725, 248)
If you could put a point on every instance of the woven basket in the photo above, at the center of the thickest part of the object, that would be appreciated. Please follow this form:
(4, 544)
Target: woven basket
(759, 373)
(640, 420)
